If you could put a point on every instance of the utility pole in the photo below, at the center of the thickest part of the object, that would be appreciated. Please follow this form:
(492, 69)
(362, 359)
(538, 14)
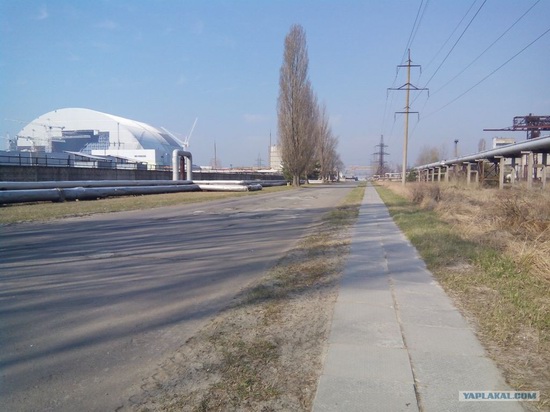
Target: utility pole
(381, 153)
(407, 87)
(215, 156)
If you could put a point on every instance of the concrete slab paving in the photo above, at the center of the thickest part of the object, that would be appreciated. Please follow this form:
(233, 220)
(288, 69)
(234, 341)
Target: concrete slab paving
(367, 324)
(397, 342)
(336, 393)
(439, 374)
(447, 318)
(456, 341)
(368, 362)
(369, 293)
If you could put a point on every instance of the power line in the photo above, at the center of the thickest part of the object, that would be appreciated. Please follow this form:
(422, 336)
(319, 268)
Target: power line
(407, 47)
(450, 51)
(491, 45)
(414, 30)
(381, 169)
(419, 22)
(454, 45)
(418, 19)
(493, 72)
(407, 87)
(456, 42)
(451, 35)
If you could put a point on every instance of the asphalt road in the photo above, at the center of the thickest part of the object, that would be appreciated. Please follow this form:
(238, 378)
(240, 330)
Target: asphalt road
(90, 306)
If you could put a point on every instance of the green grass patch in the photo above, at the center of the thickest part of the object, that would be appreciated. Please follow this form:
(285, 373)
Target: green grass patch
(510, 305)
(348, 211)
(442, 248)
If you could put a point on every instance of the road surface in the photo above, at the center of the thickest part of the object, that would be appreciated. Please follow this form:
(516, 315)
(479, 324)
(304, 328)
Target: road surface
(90, 306)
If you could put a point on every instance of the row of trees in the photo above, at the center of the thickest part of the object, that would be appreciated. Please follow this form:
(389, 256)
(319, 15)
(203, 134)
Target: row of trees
(305, 136)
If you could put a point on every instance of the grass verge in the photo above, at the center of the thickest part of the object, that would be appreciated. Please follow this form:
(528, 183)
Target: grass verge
(264, 353)
(47, 210)
(509, 304)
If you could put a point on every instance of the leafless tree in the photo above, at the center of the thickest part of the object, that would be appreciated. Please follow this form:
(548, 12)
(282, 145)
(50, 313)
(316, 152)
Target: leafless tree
(482, 145)
(430, 154)
(297, 106)
(326, 149)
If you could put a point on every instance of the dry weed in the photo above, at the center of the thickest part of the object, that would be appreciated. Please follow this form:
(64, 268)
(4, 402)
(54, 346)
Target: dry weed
(493, 257)
(516, 222)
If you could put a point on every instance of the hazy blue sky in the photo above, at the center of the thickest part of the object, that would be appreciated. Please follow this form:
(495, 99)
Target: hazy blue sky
(167, 62)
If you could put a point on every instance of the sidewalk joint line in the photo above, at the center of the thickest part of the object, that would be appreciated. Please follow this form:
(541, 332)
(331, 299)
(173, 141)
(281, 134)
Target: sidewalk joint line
(399, 322)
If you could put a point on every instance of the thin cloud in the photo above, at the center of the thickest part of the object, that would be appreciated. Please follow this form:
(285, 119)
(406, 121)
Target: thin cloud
(107, 25)
(42, 14)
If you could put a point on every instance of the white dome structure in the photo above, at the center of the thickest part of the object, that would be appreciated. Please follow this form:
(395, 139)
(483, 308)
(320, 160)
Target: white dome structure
(97, 133)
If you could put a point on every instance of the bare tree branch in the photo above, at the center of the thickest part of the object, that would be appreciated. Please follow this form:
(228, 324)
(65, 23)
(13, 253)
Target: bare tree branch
(297, 106)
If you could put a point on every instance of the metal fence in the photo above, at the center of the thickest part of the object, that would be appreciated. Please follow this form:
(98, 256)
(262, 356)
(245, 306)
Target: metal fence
(57, 160)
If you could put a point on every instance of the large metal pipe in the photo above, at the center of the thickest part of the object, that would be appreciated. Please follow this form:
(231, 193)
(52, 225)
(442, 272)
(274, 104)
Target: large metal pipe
(21, 192)
(540, 143)
(89, 183)
(223, 188)
(264, 183)
(176, 154)
(87, 193)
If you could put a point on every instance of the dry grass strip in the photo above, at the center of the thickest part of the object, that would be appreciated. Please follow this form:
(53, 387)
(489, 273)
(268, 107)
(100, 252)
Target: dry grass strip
(490, 250)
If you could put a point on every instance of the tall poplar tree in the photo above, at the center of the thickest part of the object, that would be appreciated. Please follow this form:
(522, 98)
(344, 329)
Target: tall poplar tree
(297, 107)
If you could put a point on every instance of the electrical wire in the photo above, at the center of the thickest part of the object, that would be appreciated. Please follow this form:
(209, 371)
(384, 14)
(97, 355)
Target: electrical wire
(477, 58)
(451, 35)
(409, 42)
(491, 45)
(417, 21)
(490, 74)
(456, 42)
(452, 48)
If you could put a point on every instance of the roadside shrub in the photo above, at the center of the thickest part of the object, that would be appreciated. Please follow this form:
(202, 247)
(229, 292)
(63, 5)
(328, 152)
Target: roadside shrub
(425, 195)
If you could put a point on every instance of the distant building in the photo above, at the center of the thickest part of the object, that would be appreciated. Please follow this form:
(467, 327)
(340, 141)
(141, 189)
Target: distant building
(502, 141)
(96, 133)
(275, 158)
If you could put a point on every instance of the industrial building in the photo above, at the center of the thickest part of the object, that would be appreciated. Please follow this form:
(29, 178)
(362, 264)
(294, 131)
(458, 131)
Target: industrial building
(100, 134)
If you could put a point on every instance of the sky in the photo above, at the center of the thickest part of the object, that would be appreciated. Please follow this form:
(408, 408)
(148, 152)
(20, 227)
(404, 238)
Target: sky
(168, 62)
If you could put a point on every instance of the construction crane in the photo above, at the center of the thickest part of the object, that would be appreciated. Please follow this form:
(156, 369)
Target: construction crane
(531, 124)
(185, 143)
(48, 128)
(11, 143)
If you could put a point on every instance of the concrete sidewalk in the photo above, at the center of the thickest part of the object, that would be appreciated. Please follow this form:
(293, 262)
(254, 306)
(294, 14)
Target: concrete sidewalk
(397, 343)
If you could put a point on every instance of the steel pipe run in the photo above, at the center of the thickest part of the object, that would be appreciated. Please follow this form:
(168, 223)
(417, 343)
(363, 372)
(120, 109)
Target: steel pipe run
(87, 193)
(264, 183)
(88, 183)
(532, 145)
(22, 192)
(221, 187)
(177, 154)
